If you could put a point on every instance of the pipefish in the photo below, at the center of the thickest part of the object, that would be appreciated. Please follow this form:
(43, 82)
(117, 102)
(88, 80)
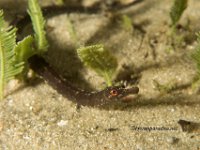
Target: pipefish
(64, 87)
(81, 97)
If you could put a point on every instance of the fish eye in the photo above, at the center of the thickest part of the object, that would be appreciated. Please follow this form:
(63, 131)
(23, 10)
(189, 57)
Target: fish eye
(113, 93)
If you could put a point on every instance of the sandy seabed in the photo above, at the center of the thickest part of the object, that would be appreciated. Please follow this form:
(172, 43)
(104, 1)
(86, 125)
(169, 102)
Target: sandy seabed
(37, 117)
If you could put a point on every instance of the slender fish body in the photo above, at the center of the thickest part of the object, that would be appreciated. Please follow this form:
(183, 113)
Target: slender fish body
(81, 97)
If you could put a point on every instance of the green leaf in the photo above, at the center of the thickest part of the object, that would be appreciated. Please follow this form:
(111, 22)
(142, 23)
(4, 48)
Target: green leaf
(100, 60)
(177, 10)
(126, 23)
(38, 23)
(24, 49)
(72, 32)
(196, 55)
(8, 66)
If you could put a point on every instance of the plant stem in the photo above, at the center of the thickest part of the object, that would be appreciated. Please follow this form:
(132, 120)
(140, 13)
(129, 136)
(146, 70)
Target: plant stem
(2, 72)
(107, 79)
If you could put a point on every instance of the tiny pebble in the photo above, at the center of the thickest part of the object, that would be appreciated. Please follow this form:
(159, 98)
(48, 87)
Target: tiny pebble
(62, 123)
(172, 140)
